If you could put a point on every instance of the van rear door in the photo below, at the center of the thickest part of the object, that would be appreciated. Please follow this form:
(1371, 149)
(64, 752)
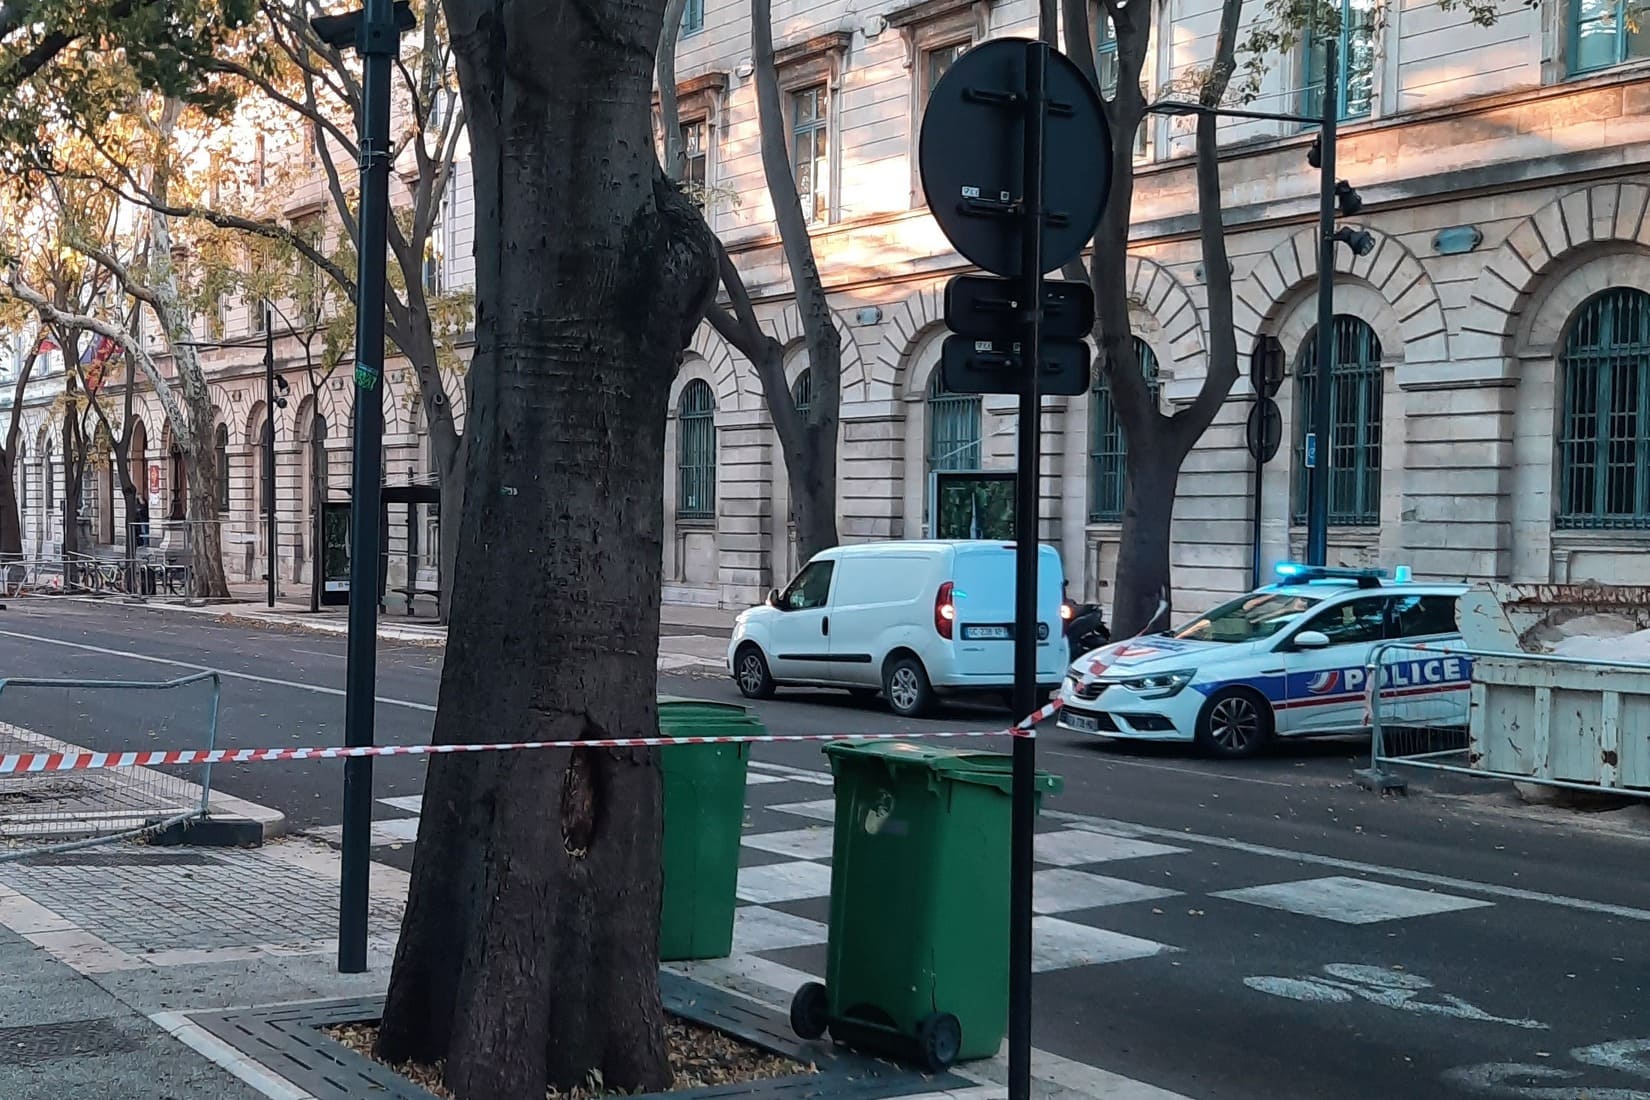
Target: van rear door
(983, 643)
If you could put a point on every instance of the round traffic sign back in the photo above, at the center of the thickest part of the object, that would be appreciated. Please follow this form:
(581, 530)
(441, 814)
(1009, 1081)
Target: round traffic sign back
(1264, 432)
(971, 156)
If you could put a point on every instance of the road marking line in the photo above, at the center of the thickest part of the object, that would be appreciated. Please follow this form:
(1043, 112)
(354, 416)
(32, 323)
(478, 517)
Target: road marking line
(248, 676)
(1097, 757)
(1127, 828)
(1115, 827)
(1351, 900)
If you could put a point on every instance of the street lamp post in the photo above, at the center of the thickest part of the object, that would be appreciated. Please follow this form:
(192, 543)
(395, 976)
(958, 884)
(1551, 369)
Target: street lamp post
(1318, 443)
(374, 31)
(271, 541)
(1333, 195)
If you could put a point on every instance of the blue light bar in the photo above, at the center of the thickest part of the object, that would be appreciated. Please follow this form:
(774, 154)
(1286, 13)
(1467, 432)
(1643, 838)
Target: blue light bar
(1401, 574)
(1306, 574)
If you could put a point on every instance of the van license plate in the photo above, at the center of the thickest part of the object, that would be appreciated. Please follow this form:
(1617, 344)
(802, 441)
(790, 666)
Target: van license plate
(1082, 722)
(987, 633)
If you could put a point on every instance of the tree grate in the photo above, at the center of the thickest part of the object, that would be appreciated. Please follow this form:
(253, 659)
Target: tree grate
(291, 1041)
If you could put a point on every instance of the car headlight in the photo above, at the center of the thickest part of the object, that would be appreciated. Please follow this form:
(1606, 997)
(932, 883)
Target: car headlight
(1158, 685)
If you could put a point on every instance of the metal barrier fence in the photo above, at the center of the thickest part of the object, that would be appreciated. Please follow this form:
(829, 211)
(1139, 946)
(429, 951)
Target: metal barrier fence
(148, 575)
(1525, 717)
(42, 811)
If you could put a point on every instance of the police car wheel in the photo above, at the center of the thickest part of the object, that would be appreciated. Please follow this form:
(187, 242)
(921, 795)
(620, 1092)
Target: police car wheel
(1235, 723)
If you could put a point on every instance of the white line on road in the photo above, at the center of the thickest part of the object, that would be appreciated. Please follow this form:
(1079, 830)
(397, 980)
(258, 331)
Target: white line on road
(1197, 772)
(224, 672)
(1129, 828)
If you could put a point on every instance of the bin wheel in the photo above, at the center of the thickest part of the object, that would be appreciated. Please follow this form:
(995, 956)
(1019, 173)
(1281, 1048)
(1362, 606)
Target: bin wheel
(939, 1039)
(810, 1011)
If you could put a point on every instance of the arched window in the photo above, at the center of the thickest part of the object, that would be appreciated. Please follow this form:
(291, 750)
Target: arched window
(953, 428)
(696, 453)
(220, 453)
(180, 485)
(802, 392)
(1354, 449)
(1604, 425)
(1107, 447)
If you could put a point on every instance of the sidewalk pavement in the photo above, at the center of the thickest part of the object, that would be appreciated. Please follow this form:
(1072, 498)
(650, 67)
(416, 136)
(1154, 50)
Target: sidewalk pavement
(130, 972)
(693, 640)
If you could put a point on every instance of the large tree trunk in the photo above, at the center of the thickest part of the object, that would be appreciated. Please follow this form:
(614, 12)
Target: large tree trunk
(1151, 474)
(11, 521)
(529, 950)
(205, 529)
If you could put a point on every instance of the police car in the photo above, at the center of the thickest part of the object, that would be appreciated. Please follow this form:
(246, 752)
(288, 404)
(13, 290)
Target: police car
(1286, 660)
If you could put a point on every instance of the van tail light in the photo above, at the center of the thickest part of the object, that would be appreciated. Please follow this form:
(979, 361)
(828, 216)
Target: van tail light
(945, 612)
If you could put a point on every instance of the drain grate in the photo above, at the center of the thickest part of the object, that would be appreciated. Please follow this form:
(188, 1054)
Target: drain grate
(21, 1046)
(149, 857)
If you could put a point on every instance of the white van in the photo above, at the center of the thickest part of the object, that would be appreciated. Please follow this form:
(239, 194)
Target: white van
(909, 619)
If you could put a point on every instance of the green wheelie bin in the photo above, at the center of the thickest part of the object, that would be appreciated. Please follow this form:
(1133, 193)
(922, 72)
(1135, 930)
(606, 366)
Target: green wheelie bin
(704, 809)
(917, 961)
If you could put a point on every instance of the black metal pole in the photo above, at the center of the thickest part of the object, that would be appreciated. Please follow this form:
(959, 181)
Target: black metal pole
(1026, 544)
(318, 501)
(1260, 479)
(376, 41)
(271, 541)
(1317, 511)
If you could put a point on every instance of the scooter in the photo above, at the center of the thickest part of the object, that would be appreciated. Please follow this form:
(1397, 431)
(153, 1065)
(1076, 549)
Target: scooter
(1085, 627)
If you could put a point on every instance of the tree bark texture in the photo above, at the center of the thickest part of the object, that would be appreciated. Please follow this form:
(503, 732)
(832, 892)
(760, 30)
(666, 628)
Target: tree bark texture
(529, 950)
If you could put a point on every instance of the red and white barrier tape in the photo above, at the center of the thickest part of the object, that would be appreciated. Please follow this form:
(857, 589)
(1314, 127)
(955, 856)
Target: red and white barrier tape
(26, 762)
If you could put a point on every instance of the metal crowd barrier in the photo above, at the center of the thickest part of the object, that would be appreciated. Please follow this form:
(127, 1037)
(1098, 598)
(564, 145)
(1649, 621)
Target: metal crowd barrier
(42, 811)
(1539, 718)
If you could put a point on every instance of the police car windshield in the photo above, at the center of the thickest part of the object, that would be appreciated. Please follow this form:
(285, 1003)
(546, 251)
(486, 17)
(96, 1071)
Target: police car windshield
(1248, 618)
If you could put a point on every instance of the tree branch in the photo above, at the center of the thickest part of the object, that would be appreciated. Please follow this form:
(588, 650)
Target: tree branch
(670, 117)
(1189, 423)
(163, 391)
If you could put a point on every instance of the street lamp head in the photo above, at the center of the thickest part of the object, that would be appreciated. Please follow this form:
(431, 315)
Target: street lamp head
(1348, 199)
(1360, 241)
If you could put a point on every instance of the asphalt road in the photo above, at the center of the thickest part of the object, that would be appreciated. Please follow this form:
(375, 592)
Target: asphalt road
(1288, 935)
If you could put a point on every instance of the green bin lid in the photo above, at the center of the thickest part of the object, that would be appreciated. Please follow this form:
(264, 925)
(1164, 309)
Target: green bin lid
(989, 769)
(682, 717)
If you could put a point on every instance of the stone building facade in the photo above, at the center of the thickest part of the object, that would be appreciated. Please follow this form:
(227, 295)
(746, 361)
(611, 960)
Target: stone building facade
(1492, 388)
